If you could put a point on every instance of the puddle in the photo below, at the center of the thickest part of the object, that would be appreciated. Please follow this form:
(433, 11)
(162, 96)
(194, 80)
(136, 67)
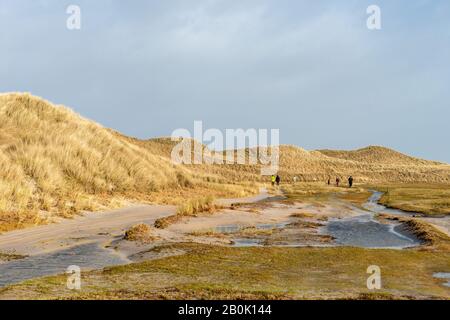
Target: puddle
(373, 205)
(363, 231)
(247, 242)
(272, 226)
(360, 231)
(233, 228)
(87, 256)
(443, 275)
(274, 199)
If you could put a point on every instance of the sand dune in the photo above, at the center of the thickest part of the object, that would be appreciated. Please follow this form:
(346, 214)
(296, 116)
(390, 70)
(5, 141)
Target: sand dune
(371, 164)
(56, 163)
(377, 154)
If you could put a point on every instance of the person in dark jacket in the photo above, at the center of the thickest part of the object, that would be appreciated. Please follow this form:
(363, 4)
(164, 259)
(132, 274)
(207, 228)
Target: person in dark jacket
(350, 181)
(338, 181)
(278, 179)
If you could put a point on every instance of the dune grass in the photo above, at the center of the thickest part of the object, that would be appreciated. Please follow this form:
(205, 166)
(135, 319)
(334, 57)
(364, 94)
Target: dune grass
(54, 160)
(56, 163)
(190, 208)
(140, 233)
(195, 206)
(367, 165)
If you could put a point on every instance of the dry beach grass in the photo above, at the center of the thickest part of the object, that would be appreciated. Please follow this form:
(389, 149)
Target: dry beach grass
(54, 163)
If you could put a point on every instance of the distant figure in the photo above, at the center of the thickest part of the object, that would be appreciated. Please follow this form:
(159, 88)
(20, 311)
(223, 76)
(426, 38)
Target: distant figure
(273, 180)
(337, 181)
(350, 181)
(329, 181)
(278, 179)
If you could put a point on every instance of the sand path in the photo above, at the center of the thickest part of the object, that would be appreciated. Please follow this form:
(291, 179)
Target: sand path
(90, 227)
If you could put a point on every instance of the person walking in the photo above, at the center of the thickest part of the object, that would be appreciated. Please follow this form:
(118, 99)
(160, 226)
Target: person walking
(273, 180)
(338, 181)
(350, 181)
(278, 179)
(329, 181)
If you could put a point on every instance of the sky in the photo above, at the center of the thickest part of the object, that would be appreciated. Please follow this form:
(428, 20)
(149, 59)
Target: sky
(311, 69)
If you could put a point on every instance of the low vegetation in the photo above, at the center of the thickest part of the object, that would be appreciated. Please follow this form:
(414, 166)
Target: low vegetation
(256, 273)
(428, 234)
(264, 272)
(207, 233)
(430, 199)
(319, 193)
(8, 257)
(140, 233)
(302, 215)
(190, 208)
(425, 232)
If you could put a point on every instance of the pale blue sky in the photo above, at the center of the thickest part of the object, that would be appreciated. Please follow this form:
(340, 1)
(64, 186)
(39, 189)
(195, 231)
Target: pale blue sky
(310, 68)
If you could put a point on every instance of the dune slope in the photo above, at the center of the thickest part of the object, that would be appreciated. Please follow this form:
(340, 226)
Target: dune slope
(53, 162)
(52, 158)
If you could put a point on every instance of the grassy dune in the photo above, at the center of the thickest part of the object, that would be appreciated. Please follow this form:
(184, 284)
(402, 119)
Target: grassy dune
(377, 154)
(54, 162)
(316, 166)
(373, 164)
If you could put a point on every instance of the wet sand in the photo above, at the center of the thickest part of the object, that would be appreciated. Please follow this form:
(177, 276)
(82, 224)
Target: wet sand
(88, 228)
